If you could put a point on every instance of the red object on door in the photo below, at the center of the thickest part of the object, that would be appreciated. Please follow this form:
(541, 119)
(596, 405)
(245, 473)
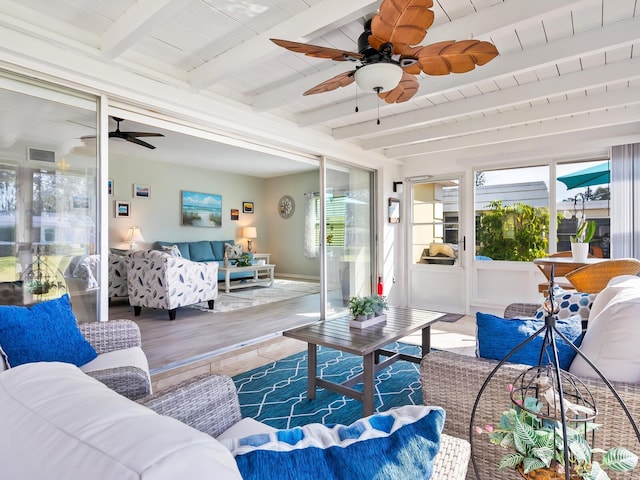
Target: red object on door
(380, 286)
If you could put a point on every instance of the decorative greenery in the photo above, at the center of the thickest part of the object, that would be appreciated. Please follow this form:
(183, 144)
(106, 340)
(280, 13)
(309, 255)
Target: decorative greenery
(539, 444)
(243, 260)
(585, 231)
(519, 232)
(40, 287)
(365, 306)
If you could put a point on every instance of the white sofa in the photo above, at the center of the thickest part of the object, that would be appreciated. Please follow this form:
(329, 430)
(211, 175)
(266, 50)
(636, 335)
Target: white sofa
(59, 423)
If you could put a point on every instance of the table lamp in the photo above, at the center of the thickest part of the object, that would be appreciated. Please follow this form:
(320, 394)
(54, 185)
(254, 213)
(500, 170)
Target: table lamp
(134, 236)
(249, 233)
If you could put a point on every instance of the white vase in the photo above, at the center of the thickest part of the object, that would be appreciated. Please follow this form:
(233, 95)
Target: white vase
(580, 251)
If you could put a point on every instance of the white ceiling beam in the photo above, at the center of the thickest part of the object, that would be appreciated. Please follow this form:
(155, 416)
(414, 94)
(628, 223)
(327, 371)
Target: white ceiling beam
(500, 99)
(485, 22)
(582, 144)
(619, 116)
(137, 22)
(625, 32)
(258, 47)
(540, 113)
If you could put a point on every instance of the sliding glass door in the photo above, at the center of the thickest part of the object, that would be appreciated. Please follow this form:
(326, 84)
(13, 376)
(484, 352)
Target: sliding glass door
(49, 197)
(348, 234)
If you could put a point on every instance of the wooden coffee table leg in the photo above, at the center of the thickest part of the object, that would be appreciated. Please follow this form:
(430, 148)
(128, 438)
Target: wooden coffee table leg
(311, 370)
(367, 384)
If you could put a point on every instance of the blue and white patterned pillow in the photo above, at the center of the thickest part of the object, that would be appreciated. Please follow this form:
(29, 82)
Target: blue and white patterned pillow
(571, 303)
(399, 443)
(233, 251)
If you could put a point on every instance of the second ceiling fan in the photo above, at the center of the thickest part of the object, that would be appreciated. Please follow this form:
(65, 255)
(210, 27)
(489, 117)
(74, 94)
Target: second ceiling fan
(389, 54)
(128, 136)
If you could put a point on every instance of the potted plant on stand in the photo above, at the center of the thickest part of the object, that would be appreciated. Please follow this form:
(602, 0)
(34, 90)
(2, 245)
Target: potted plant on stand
(538, 447)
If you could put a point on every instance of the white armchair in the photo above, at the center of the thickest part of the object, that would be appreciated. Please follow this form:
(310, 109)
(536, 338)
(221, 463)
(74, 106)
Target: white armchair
(159, 280)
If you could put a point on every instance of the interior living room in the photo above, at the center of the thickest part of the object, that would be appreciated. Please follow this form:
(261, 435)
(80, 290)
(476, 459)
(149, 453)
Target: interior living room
(144, 143)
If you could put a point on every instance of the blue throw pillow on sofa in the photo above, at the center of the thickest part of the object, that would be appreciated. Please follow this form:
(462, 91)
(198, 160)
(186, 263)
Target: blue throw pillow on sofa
(45, 332)
(498, 336)
(397, 444)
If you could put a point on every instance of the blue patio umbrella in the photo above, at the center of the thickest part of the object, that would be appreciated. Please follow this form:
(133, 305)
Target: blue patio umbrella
(596, 175)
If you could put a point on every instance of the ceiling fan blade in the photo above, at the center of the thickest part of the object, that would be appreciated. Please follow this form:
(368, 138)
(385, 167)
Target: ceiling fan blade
(317, 51)
(406, 89)
(137, 141)
(444, 58)
(341, 80)
(143, 134)
(401, 22)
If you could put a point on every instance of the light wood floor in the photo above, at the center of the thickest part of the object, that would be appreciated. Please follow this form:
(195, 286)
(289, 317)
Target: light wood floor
(198, 335)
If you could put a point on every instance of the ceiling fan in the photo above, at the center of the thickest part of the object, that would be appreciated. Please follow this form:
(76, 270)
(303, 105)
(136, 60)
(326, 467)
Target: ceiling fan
(389, 55)
(128, 136)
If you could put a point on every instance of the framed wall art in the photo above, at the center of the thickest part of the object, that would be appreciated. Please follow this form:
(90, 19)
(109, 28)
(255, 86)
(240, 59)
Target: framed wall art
(394, 210)
(110, 186)
(247, 207)
(201, 209)
(235, 214)
(123, 209)
(80, 201)
(141, 191)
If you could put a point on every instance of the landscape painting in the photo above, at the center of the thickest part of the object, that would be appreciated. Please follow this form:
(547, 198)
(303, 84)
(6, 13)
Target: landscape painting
(201, 209)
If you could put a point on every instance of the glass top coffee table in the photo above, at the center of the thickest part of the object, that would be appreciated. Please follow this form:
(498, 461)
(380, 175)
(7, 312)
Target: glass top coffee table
(367, 343)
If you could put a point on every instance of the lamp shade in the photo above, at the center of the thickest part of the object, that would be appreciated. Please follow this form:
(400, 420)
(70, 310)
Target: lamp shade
(133, 237)
(249, 232)
(378, 77)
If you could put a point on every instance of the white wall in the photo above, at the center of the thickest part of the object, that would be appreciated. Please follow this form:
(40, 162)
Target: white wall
(158, 217)
(285, 236)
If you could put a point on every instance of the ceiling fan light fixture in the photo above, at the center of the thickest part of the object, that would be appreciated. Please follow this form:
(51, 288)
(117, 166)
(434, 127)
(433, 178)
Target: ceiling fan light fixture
(378, 77)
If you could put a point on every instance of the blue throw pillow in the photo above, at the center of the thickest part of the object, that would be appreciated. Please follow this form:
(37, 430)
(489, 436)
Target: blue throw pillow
(498, 336)
(45, 332)
(399, 443)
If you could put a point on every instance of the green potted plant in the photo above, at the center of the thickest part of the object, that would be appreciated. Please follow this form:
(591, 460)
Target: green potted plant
(585, 231)
(40, 287)
(243, 260)
(538, 447)
(379, 304)
(357, 308)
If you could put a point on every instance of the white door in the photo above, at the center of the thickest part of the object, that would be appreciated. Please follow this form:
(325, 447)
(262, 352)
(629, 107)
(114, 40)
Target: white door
(435, 246)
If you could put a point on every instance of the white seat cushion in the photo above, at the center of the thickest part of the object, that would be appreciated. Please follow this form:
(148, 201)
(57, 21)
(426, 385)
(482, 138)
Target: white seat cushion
(244, 428)
(64, 424)
(127, 357)
(613, 334)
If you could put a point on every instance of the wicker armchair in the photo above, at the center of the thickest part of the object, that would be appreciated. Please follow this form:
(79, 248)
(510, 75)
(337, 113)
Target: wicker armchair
(209, 403)
(116, 341)
(593, 278)
(453, 381)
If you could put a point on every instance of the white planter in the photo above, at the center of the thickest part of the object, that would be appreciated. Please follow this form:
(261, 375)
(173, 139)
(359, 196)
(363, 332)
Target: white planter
(579, 251)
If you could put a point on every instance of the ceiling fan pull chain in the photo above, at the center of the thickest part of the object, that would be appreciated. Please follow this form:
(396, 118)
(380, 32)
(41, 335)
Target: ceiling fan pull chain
(378, 89)
(356, 97)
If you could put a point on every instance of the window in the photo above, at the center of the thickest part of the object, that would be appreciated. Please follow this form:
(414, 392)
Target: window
(513, 216)
(435, 222)
(335, 228)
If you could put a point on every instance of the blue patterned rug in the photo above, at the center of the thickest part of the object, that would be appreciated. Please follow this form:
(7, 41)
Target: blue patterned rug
(276, 394)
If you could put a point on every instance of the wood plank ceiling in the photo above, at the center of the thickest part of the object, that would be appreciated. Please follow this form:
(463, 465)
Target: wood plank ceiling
(567, 68)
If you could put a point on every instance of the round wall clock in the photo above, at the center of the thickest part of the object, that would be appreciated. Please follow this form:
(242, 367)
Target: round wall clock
(286, 206)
